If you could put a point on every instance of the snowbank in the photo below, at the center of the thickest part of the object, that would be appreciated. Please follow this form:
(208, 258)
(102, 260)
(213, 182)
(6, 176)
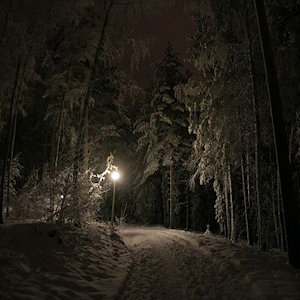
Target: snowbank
(237, 271)
(44, 261)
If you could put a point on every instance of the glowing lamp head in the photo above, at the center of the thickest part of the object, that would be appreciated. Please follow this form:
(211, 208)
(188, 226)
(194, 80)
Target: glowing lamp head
(115, 175)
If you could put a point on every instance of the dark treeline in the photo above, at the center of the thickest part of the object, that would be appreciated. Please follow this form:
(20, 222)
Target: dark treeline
(192, 149)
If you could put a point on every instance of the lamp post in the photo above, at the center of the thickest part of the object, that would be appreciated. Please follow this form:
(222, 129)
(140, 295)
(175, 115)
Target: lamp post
(115, 175)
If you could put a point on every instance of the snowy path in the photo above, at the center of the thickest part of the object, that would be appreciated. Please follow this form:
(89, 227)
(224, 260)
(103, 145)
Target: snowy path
(48, 261)
(173, 264)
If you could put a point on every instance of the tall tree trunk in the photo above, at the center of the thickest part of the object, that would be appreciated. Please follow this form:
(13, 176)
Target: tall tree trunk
(293, 126)
(10, 159)
(57, 146)
(5, 23)
(165, 202)
(284, 224)
(291, 212)
(256, 127)
(274, 212)
(245, 201)
(83, 122)
(232, 237)
(248, 177)
(8, 138)
(59, 134)
(280, 217)
(267, 238)
(61, 115)
(273, 202)
(284, 241)
(14, 129)
(250, 211)
(257, 183)
(171, 197)
(187, 221)
(226, 205)
(86, 141)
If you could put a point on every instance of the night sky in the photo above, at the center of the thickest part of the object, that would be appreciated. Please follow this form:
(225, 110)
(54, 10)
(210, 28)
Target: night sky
(172, 25)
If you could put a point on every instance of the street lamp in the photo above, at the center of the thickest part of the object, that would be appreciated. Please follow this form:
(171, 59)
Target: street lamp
(115, 175)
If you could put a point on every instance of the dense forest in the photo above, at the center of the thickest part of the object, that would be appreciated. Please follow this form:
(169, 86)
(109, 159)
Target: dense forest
(212, 136)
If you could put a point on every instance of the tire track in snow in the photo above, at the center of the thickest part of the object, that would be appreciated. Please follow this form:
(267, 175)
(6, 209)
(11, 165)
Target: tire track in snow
(165, 265)
(174, 264)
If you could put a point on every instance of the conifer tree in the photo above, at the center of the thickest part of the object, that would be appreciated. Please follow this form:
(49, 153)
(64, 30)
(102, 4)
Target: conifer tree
(166, 127)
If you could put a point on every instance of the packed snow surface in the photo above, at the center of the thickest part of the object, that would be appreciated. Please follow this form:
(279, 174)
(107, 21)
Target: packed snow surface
(173, 264)
(42, 261)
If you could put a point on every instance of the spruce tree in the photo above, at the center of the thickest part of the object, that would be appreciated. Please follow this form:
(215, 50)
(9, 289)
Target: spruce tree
(164, 134)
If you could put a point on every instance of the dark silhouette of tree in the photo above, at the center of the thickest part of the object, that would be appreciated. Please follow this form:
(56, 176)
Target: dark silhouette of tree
(291, 211)
(164, 134)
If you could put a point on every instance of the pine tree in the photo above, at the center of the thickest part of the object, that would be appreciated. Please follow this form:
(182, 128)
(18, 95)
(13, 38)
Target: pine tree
(164, 134)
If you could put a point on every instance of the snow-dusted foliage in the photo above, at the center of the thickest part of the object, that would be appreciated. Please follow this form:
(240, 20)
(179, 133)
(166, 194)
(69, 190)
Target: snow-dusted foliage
(162, 135)
(220, 115)
(56, 199)
(229, 119)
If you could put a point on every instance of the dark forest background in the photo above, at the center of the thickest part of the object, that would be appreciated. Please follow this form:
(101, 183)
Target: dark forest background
(194, 141)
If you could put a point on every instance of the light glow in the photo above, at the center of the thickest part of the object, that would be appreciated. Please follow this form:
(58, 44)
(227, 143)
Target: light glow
(115, 175)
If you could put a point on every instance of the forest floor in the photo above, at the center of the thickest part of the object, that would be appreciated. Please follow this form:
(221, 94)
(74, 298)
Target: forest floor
(44, 261)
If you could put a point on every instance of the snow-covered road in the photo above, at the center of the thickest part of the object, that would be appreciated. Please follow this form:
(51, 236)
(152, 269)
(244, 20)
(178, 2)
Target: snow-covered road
(174, 264)
(56, 261)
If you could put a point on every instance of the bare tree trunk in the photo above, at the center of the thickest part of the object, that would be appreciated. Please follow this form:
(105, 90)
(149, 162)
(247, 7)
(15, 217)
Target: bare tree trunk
(291, 142)
(8, 138)
(289, 198)
(279, 211)
(267, 238)
(59, 135)
(165, 202)
(273, 203)
(5, 23)
(61, 115)
(257, 186)
(250, 214)
(187, 221)
(284, 226)
(248, 178)
(256, 127)
(86, 141)
(15, 120)
(56, 144)
(226, 204)
(274, 213)
(9, 162)
(231, 207)
(171, 197)
(245, 201)
(83, 122)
